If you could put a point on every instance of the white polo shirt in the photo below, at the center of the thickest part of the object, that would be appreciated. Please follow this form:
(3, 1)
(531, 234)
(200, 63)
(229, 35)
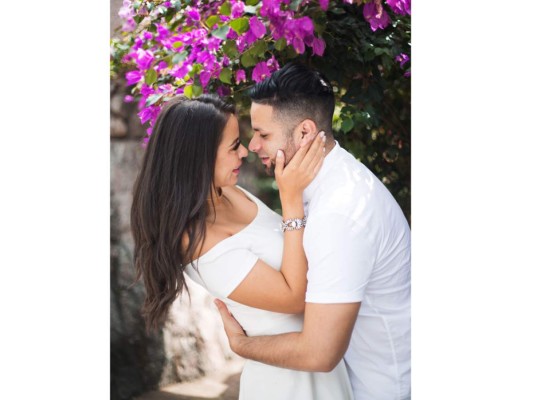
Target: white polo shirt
(358, 246)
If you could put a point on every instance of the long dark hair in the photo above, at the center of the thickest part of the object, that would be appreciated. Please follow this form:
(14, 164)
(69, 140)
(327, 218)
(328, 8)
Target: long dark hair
(170, 197)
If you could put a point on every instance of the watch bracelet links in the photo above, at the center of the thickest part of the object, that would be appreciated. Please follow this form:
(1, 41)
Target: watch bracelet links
(293, 224)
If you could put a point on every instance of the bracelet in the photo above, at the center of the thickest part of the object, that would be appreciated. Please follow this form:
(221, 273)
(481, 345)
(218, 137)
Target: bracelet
(293, 224)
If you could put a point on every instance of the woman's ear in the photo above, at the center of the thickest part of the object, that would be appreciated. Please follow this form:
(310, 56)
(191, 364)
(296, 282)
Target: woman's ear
(308, 131)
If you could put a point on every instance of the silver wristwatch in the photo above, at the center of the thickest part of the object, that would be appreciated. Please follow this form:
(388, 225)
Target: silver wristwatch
(293, 224)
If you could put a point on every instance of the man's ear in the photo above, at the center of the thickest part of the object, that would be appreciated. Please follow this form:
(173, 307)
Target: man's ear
(307, 131)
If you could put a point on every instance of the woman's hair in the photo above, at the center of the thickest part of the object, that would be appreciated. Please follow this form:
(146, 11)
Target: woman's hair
(170, 197)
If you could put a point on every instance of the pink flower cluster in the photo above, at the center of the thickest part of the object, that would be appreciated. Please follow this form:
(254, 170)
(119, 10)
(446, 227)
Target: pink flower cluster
(299, 32)
(376, 15)
(126, 13)
(183, 51)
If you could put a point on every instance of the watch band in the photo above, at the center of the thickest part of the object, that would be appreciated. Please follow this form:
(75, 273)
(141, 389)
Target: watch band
(293, 224)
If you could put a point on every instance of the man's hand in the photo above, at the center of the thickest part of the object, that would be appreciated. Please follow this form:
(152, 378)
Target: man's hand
(232, 327)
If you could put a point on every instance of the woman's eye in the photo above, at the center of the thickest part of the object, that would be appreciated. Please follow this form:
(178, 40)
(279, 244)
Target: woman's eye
(237, 144)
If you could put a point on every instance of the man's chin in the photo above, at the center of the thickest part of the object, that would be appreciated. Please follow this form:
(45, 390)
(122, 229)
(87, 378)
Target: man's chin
(269, 169)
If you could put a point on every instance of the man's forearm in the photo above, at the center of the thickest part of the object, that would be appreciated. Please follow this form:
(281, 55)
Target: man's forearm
(288, 350)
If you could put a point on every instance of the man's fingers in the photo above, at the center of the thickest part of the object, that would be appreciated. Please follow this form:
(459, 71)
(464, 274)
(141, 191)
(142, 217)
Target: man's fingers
(222, 308)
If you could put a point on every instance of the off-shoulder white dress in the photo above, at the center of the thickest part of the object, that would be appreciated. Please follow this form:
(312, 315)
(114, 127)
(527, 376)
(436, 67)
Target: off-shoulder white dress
(221, 269)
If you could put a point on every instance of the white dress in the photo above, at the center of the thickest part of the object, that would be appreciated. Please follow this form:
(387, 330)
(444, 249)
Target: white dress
(221, 269)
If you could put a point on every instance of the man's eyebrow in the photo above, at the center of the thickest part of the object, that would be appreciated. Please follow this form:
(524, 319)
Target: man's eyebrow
(259, 129)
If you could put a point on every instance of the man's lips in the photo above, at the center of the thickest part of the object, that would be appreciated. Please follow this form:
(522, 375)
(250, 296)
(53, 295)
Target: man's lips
(265, 160)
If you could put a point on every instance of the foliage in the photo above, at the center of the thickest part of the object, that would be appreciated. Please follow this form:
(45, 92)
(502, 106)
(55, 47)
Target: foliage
(191, 47)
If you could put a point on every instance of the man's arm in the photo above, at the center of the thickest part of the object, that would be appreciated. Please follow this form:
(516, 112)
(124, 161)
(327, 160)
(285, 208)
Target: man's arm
(319, 347)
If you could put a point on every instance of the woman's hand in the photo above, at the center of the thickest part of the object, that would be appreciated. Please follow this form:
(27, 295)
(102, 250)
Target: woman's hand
(293, 178)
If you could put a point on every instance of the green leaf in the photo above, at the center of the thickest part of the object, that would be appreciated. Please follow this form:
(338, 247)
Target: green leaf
(251, 2)
(197, 90)
(177, 44)
(230, 49)
(319, 28)
(196, 68)
(291, 53)
(150, 77)
(212, 20)
(153, 98)
(179, 57)
(221, 32)
(347, 125)
(225, 75)
(248, 60)
(188, 91)
(251, 9)
(240, 25)
(259, 49)
(280, 44)
(176, 4)
(295, 4)
(225, 9)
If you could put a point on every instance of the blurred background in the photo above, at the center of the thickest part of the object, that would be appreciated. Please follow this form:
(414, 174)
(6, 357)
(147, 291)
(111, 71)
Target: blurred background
(366, 57)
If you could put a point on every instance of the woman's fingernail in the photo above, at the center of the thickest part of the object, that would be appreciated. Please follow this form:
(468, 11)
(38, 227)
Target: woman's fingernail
(322, 134)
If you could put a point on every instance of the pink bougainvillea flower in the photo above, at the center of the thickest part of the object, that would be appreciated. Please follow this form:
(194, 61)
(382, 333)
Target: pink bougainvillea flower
(147, 35)
(144, 58)
(232, 34)
(260, 72)
(318, 46)
(324, 4)
(272, 64)
(162, 65)
(375, 15)
(240, 76)
(237, 9)
(162, 32)
(401, 7)
(180, 72)
(205, 76)
(257, 27)
(298, 45)
(133, 77)
(402, 59)
(192, 13)
(223, 91)
(128, 98)
(148, 113)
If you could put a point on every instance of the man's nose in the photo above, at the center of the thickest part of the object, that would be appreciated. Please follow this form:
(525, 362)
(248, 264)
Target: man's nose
(254, 143)
(243, 151)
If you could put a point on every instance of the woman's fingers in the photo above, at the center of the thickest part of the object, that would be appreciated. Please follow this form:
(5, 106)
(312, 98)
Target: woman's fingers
(315, 152)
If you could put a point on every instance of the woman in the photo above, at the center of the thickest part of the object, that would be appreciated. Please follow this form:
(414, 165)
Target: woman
(188, 216)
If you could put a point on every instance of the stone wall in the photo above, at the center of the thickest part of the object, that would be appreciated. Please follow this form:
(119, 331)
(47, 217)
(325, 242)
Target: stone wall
(193, 342)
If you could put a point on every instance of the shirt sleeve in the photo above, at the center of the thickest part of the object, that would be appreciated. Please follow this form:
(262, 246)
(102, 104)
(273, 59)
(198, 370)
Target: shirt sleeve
(340, 257)
(224, 271)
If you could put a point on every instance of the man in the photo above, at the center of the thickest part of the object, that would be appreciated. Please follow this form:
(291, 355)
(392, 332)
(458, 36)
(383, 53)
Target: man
(357, 243)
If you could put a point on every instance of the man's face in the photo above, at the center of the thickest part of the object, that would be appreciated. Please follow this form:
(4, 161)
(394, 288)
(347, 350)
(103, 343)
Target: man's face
(269, 136)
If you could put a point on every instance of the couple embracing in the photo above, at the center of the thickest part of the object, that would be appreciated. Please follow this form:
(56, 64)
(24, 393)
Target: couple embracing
(317, 300)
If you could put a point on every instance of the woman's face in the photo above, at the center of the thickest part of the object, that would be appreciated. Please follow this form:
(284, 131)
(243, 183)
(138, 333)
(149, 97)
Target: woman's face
(229, 155)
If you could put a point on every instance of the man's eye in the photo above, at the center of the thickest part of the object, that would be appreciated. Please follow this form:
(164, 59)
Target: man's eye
(263, 136)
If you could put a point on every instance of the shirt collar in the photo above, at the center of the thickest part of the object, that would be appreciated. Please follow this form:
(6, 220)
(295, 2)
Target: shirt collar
(329, 161)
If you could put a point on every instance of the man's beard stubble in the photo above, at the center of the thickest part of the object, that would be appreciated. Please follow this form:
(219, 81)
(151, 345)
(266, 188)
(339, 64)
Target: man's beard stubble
(289, 150)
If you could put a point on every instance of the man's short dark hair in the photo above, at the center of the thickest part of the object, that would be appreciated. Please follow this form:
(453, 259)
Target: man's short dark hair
(296, 92)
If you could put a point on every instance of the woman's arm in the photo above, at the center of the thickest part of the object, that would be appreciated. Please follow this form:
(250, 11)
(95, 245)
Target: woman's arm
(284, 290)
